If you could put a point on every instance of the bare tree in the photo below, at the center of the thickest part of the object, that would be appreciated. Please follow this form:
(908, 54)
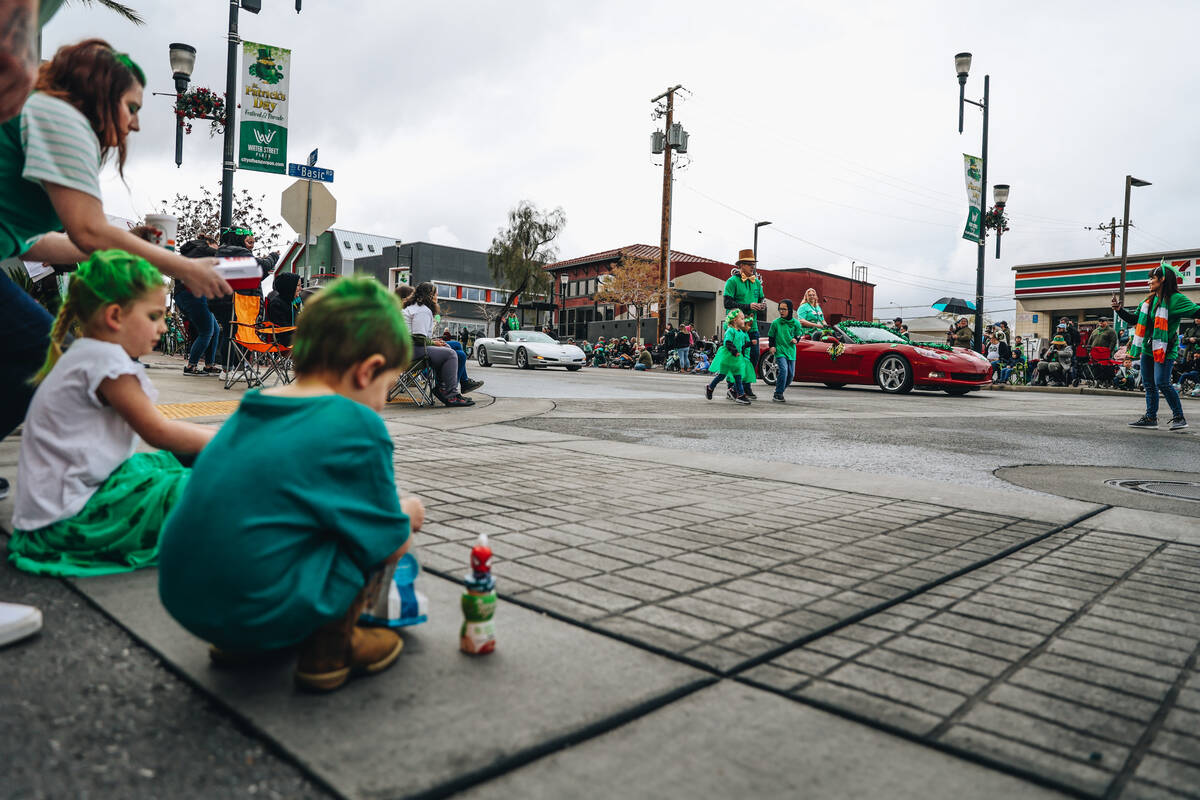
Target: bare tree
(521, 250)
(488, 313)
(634, 283)
(200, 217)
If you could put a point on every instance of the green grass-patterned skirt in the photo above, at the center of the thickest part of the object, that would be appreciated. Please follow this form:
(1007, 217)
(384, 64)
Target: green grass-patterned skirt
(118, 529)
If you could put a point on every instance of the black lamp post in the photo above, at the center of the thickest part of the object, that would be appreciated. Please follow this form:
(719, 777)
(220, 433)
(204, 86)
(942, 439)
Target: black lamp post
(1000, 193)
(1130, 182)
(962, 66)
(563, 279)
(183, 61)
(757, 225)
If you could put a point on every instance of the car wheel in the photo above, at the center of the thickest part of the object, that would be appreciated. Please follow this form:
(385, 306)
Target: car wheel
(835, 385)
(481, 357)
(894, 375)
(956, 391)
(572, 369)
(768, 370)
(523, 359)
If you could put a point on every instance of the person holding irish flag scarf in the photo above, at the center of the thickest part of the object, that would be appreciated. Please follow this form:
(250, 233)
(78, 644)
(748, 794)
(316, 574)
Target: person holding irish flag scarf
(1156, 340)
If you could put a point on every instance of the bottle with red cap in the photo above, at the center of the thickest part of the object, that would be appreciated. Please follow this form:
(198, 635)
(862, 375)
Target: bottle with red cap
(478, 633)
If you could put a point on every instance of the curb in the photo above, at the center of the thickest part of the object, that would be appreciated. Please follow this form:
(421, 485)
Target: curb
(1003, 387)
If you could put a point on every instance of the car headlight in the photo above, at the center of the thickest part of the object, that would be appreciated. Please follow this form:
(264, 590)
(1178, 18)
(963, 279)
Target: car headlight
(936, 374)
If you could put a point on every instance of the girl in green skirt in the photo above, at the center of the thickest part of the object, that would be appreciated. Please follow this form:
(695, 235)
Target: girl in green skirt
(86, 504)
(731, 362)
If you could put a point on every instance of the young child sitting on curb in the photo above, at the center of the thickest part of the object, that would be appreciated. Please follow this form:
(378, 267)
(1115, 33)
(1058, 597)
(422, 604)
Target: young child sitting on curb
(86, 504)
(298, 559)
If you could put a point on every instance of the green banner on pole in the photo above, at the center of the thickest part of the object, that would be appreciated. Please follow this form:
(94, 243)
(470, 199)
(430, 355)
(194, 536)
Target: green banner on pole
(973, 168)
(262, 132)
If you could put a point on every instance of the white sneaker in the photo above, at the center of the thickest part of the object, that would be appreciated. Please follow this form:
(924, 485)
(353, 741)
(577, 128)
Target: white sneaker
(17, 622)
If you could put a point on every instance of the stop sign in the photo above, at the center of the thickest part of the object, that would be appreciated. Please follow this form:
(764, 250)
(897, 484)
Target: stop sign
(295, 201)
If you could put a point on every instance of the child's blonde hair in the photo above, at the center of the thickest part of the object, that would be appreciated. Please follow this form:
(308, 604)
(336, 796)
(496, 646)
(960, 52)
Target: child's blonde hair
(349, 320)
(109, 276)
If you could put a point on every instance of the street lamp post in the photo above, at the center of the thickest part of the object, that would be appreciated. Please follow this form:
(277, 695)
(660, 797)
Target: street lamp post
(757, 225)
(1130, 182)
(183, 61)
(1000, 193)
(962, 65)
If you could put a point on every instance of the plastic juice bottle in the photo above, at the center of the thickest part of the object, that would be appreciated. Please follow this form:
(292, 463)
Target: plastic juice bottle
(478, 633)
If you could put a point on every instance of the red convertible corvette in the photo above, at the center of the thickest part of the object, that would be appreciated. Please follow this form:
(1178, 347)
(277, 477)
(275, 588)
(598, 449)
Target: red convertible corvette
(870, 354)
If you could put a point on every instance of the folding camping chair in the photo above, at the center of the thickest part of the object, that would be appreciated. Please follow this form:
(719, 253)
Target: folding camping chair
(254, 354)
(417, 382)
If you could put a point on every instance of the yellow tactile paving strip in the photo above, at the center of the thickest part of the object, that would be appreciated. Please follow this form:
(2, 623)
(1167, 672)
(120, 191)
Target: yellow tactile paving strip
(210, 408)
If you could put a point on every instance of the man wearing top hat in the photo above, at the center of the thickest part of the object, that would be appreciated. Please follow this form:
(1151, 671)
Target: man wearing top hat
(744, 292)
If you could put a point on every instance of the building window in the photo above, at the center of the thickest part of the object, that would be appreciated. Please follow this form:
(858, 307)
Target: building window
(474, 295)
(371, 248)
(445, 291)
(498, 296)
(346, 243)
(358, 245)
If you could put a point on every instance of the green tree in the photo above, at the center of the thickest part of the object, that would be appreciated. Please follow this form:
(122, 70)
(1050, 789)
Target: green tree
(200, 217)
(521, 250)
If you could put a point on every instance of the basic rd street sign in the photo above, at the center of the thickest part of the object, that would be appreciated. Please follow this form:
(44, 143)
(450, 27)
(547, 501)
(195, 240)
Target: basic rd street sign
(295, 205)
(310, 173)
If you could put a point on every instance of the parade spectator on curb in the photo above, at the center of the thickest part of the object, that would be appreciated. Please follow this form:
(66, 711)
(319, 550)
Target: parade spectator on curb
(1128, 374)
(903, 334)
(897, 324)
(1004, 333)
(645, 360)
(84, 107)
(294, 563)
(744, 292)
(419, 310)
(1156, 341)
(782, 336)
(197, 312)
(465, 384)
(86, 503)
(281, 304)
(809, 314)
(1103, 336)
(1055, 362)
(999, 355)
(963, 335)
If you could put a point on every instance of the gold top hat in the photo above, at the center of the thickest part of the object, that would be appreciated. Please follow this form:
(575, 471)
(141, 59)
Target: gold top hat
(746, 255)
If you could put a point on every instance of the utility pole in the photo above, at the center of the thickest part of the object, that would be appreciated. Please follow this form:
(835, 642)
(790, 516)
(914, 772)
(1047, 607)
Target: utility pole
(664, 264)
(1111, 227)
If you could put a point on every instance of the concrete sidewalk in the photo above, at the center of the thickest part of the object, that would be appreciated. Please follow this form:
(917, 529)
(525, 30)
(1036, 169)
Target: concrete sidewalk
(677, 624)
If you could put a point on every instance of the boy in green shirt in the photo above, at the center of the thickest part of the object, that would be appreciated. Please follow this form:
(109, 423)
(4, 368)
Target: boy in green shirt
(781, 339)
(295, 559)
(744, 292)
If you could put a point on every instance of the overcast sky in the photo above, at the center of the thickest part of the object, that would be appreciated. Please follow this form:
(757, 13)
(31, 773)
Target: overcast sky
(836, 121)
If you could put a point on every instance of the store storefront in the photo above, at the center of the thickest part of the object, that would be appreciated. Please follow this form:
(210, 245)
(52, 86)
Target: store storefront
(1082, 290)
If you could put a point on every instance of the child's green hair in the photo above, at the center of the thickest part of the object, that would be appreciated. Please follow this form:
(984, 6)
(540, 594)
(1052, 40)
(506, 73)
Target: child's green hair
(349, 320)
(109, 276)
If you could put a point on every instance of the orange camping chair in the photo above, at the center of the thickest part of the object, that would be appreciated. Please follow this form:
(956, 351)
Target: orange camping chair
(254, 352)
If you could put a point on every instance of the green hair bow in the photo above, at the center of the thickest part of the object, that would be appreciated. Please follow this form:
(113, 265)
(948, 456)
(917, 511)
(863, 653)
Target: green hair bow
(124, 60)
(732, 315)
(1164, 266)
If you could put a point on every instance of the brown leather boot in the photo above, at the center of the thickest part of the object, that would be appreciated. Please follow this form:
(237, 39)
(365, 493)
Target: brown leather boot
(327, 661)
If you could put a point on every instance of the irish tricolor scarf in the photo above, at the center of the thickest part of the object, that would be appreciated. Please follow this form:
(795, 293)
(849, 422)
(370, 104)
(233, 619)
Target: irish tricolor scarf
(1154, 321)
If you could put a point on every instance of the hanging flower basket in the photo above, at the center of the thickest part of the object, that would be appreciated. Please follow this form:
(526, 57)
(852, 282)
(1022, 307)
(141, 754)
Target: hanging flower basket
(996, 220)
(201, 103)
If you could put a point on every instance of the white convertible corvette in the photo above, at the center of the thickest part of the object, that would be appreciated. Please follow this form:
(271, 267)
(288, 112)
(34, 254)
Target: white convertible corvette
(527, 349)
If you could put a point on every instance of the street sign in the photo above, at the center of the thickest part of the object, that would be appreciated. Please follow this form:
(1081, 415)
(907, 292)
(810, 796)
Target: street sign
(295, 204)
(310, 173)
(312, 158)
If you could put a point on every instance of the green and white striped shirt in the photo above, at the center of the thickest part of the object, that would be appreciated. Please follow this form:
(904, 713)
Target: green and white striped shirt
(50, 142)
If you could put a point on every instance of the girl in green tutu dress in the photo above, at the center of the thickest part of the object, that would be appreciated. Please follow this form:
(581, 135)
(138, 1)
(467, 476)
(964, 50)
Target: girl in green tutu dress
(86, 503)
(731, 362)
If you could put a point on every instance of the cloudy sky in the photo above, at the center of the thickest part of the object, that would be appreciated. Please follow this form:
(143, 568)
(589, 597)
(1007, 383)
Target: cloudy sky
(836, 121)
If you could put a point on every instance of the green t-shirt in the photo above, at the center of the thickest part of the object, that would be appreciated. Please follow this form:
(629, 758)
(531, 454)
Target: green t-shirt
(781, 334)
(289, 509)
(811, 314)
(746, 292)
(48, 142)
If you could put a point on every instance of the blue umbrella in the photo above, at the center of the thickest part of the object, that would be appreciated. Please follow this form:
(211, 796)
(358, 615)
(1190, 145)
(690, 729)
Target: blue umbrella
(953, 305)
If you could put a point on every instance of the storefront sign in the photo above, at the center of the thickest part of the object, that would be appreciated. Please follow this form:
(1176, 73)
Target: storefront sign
(973, 167)
(1083, 278)
(264, 102)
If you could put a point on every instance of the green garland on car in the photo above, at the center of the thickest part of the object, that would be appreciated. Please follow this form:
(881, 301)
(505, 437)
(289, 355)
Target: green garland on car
(864, 324)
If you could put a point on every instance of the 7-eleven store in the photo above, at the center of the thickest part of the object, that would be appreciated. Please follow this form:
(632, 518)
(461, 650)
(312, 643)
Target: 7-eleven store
(1082, 290)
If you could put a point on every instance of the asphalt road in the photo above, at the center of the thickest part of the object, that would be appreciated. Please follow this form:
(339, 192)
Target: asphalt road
(922, 434)
(87, 712)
